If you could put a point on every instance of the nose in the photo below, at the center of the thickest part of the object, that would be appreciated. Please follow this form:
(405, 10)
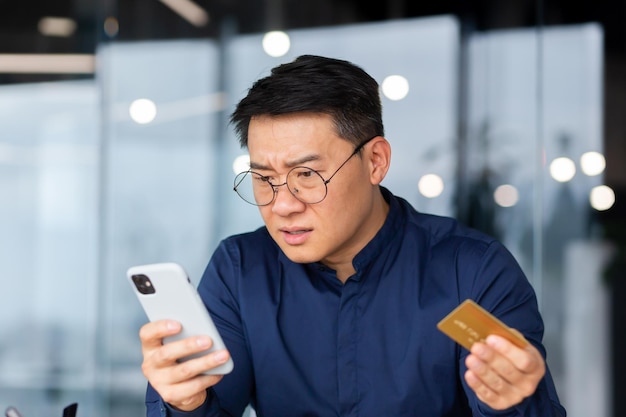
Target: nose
(284, 201)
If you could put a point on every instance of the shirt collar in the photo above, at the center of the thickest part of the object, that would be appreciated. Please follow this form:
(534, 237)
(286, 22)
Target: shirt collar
(383, 239)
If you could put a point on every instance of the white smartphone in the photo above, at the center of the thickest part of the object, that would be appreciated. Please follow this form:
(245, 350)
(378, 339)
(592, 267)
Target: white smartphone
(165, 292)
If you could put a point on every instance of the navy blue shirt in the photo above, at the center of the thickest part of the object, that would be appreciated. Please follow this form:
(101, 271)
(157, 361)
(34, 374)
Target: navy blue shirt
(304, 344)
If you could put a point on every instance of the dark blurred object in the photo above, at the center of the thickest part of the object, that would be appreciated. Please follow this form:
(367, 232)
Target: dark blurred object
(70, 410)
(613, 223)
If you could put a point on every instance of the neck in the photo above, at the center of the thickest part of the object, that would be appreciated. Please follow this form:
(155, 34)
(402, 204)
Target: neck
(380, 210)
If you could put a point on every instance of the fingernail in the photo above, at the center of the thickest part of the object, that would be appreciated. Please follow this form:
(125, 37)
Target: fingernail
(221, 356)
(478, 349)
(470, 377)
(203, 342)
(474, 364)
(493, 340)
(172, 325)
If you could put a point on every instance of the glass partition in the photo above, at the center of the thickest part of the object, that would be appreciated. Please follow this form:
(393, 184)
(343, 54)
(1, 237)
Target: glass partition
(49, 246)
(535, 123)
(159, 185)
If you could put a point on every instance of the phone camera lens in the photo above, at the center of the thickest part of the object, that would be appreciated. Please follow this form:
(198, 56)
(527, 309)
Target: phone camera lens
(143, 284)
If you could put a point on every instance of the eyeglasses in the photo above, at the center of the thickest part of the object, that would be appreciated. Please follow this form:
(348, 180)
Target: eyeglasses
(304, 183)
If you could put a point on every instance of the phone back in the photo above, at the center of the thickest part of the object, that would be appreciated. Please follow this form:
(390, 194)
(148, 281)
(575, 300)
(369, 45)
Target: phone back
(165, 292)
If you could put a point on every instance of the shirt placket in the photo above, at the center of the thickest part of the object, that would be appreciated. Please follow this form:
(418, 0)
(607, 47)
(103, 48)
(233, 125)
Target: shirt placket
(347, 338)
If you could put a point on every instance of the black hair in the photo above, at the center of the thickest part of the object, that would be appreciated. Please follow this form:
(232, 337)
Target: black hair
(315, 84)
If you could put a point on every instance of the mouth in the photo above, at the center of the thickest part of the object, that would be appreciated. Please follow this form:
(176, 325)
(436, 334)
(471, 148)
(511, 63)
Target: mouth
(295, 236)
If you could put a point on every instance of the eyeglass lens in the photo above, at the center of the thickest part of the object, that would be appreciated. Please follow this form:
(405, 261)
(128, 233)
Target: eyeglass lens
(306, 184)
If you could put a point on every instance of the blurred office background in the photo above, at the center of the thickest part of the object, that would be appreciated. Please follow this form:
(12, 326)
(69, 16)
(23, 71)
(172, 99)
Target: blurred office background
(115, 151)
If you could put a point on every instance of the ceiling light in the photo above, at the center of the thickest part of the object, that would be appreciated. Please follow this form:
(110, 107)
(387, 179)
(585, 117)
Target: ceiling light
(506, 195)
(602, 197)
(592, 163)
(241, 163)
(143, 111)
(47, 63)
(430, 185)
(395, 87)
(111, 26)
(189, 11)
(562, 169)
(276, 43)
(56, 26)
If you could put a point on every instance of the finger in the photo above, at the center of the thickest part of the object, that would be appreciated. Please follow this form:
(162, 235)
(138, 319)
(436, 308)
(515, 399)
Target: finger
(501, 365)
(193, 367)
(484, 371)
(190, 392)
(528, 364)
(528, 360)
(169, 353)
(152, 334)
(183, 385)
(485, 394)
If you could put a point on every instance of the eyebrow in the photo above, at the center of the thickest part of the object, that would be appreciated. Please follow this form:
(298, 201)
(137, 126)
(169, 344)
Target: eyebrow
(289, 164)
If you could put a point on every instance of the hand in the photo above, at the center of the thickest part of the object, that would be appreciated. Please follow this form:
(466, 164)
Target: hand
(502, 374)
(182, 385)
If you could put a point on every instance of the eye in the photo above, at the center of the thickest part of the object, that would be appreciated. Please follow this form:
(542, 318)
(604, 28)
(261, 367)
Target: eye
(304, 173)
(258, 178)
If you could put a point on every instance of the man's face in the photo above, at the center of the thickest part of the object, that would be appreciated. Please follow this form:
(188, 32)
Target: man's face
(336, 229)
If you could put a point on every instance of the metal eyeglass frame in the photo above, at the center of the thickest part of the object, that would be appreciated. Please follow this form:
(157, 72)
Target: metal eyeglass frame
(275, 186)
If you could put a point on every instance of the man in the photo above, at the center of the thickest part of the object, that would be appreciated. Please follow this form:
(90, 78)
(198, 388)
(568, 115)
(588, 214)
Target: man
(331, 308)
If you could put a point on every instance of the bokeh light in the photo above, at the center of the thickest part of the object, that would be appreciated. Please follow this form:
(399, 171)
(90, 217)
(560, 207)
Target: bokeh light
(592, 163)
(241, 163)
(602, 197)
(430, 185)
(276, 43)
(143, 111)
(506, 195)
(395, 87)
(562, 169)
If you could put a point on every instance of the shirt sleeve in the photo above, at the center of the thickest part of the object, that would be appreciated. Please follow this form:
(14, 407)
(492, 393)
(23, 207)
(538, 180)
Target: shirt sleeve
(498, 284)
(219, 289)
(156, 407)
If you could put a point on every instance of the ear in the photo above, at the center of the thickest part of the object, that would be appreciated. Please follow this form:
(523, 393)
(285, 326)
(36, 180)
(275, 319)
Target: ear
(379, 159)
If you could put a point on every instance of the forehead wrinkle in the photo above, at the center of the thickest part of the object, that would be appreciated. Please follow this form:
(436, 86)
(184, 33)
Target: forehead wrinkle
(289, 164)
(267, 127)
(303, 160)
(255, 165)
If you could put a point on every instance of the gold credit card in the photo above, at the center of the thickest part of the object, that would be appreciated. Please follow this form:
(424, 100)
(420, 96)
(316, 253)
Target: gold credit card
(470, 323)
